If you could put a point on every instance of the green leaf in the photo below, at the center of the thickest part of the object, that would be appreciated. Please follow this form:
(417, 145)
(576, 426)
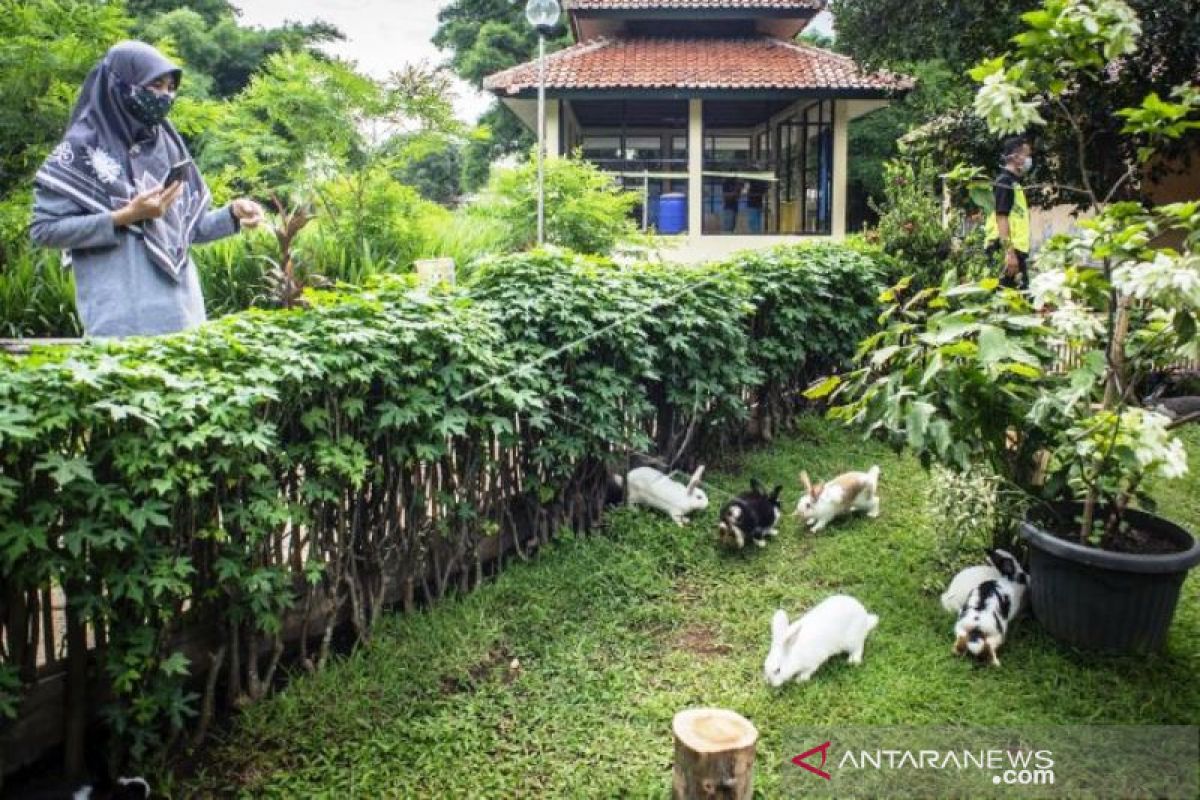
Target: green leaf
(824, 388)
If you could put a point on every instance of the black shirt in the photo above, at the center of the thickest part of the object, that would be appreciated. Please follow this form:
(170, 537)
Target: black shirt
(1003, 193)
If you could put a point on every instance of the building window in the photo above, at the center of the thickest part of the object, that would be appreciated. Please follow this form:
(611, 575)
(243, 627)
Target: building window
(804, 167)
(679, 149)
(643, 148)
(727, 149)
(602, 148)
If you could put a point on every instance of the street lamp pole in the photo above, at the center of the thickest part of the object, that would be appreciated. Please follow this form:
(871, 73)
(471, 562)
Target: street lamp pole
(543, 16)
(541, 154)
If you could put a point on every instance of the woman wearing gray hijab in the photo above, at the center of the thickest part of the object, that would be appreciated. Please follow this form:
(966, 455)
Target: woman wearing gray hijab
(103, 195)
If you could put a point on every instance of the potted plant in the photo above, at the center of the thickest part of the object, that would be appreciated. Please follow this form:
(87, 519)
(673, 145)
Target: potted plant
(1042, 385)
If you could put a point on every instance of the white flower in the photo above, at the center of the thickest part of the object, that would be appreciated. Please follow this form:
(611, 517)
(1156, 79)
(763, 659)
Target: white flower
(1155, 447)
(105, 166)
(1076, 323)
(1049, 288)
(1166, 281)
(64, 154)
(1114, 22)
(1003, 106)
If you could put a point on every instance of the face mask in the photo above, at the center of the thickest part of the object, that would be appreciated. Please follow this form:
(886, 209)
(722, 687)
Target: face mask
(1027, 164)
(147, 106)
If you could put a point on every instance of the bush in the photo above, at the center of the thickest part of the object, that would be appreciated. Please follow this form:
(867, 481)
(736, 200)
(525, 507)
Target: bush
(586, 211)
(369, 215)
(812, 305)
(345, 455)
(975, 509)
(910, 220)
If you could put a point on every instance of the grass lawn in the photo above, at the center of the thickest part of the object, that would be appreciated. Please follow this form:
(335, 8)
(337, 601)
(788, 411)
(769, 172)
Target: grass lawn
(560, 679)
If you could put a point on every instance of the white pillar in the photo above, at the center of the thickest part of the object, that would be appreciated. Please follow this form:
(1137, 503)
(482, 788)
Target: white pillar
(841, 161)
(553, 137)
(695, 168)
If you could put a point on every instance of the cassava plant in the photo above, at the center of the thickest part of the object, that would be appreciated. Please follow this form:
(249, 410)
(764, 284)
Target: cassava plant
(1041, 385)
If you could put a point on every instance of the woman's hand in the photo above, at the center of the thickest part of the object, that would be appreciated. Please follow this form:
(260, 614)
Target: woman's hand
(150, 204)
(249, 214)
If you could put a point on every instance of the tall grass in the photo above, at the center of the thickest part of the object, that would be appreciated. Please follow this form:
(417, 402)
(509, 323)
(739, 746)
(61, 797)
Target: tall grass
(465, 235)
(37, 296)
(232, 272)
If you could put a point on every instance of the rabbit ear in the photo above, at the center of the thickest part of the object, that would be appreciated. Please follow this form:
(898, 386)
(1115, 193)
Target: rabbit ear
(1003, 561)
(779, 626)
(755, 486)
(793, 629)
(778, 490)
(815, 491)
(805, 481)
(695, 481)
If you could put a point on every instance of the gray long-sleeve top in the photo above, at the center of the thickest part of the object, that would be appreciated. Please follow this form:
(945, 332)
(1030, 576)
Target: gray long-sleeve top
(118, 289)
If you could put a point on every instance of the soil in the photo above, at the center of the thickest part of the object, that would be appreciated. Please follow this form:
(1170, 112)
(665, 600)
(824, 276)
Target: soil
(1128, 539)
(701, 641)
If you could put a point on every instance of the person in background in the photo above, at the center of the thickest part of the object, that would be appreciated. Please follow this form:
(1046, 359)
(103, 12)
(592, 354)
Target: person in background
(1007, 231)
(103, 194)
(731, 191)
(756, 195)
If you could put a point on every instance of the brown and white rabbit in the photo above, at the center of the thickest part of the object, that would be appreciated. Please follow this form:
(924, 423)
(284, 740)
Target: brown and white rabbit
(848, 492)
(751, 515)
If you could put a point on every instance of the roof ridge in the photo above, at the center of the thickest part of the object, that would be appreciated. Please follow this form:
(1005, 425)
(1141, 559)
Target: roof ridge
(804, 46)
(747, 61)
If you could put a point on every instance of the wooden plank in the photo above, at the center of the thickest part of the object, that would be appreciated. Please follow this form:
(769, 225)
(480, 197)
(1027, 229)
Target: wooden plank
(39, 725)
(22, 347)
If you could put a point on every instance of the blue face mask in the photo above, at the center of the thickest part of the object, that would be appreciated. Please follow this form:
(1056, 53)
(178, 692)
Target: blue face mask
(147, 106)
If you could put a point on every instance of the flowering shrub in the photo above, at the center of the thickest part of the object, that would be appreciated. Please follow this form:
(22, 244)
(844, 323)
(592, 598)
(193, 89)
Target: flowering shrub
(971, 373)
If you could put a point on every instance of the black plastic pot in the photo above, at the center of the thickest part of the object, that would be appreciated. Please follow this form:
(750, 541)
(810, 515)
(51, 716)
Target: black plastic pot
(1099, 600)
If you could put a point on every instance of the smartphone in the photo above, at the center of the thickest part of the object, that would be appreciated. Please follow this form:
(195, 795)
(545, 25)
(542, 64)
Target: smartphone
(177, 173)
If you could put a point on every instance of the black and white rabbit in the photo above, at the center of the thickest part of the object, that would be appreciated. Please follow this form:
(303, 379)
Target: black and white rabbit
(989, 610)
(751, 515)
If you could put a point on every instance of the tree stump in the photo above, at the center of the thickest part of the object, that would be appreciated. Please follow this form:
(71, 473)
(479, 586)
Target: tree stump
(714, 754)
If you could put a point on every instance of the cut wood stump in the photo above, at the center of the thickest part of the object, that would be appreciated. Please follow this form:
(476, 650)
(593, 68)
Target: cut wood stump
(714, 755)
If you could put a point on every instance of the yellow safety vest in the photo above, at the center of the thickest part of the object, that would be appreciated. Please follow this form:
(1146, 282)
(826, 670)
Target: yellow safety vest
(1018, 222)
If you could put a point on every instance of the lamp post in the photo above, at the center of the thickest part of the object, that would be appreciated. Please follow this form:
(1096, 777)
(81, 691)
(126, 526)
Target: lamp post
(543, 16)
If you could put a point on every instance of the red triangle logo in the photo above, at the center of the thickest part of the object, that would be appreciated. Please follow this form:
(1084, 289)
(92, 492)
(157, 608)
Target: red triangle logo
(823, 749)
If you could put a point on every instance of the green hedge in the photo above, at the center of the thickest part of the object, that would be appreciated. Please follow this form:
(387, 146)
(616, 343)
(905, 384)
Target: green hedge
(363, 450)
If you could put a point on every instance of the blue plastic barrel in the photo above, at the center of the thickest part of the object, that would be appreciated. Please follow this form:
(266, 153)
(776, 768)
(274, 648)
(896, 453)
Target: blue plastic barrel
(672, 213)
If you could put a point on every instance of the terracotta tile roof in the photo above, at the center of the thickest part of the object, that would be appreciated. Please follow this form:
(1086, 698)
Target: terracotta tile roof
(605, 5)
(699, 63)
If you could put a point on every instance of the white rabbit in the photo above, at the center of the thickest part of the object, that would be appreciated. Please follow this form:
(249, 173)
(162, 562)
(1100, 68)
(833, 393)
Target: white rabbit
(646, 486)
(850, 491)
(838, 624)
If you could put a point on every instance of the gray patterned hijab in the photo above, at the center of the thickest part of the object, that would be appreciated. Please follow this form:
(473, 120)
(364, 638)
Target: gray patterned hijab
(107, 157)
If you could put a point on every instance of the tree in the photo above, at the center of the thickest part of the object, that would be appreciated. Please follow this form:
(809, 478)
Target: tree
(218, 48)
(873, 139)
(965, 33)
(883, 33)
(297, 123)
(47, 48)
(431, 164)
(485, 37)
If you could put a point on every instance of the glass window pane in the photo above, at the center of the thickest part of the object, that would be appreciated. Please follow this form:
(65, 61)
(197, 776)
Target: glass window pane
(643, 147)
(601, 147)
